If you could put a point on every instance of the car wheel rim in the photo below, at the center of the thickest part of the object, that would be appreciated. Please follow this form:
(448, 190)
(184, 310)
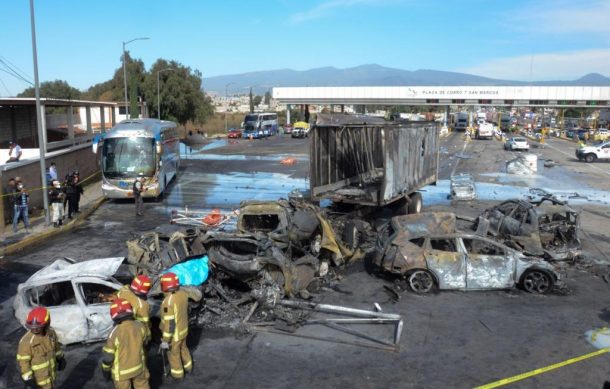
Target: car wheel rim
(536, 282)
(421, 281)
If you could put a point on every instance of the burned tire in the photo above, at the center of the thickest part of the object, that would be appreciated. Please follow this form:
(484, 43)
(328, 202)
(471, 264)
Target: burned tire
(351, 235)
(537, 281)
(421, 281)
(415, 203)
(590, 158)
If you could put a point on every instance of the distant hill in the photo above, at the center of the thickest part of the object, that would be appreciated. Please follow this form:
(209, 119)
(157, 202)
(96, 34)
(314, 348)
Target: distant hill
(371, 75)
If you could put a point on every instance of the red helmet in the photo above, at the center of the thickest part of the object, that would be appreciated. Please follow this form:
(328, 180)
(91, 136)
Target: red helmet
(38, 318)
(141, 285)
(169, 282)
(120, 308)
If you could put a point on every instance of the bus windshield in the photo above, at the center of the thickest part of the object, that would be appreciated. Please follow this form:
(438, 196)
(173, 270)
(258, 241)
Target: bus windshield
(128, 157)
(251, 118)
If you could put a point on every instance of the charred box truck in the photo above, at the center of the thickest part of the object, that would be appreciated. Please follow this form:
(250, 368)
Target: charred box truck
(371, 162)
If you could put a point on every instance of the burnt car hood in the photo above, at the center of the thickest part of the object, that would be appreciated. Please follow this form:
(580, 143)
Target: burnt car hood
(63, 269)
(426, 223)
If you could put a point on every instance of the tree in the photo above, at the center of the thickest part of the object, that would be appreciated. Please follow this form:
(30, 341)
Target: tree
(267, 98)
(114, 89)
(180, 91)
(251, 101)
(257, 100)
(57, 89)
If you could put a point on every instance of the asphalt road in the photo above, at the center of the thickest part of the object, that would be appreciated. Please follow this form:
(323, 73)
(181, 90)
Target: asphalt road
(450, 339)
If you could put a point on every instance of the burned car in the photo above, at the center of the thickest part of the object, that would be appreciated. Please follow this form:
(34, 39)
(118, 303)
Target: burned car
(546, 227)
(287, 243)
(463, 187)
(77, 295)
(428, 251)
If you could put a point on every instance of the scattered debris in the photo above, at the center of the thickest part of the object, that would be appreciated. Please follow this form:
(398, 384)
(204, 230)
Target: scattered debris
(213, 219)
(288, 161)
(546, 227)
(525, 164)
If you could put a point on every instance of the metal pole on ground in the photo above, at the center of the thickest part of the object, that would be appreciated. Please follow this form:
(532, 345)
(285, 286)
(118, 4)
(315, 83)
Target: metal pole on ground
(42, 147)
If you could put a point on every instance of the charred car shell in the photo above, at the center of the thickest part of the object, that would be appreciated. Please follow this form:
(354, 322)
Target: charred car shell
(428, 251)
(547, 227)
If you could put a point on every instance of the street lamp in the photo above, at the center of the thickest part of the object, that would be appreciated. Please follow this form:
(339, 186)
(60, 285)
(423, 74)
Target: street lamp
(158, 95)
(42, 146)
(125, 71)
(226, 98)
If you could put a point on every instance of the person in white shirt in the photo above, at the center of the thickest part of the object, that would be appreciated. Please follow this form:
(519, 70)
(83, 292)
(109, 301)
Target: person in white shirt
(14, 152)
(53, 171)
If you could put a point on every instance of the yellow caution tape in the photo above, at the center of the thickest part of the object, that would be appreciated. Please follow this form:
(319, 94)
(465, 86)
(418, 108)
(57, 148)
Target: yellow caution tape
(47, 187)
(532, 373)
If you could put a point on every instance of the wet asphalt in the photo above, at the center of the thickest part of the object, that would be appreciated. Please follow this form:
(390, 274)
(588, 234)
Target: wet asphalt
(450, 339)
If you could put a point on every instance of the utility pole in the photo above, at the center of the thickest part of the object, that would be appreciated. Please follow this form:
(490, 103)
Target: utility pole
(125, 71)
(42, 147)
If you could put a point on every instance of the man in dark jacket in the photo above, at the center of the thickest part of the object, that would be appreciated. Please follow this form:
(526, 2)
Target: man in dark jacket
(78, 190)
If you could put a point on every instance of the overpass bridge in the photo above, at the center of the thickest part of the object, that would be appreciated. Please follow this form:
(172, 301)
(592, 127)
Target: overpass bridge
(530, 96)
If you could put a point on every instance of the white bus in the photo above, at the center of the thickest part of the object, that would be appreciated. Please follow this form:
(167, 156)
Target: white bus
(260, 125)
(146, 148)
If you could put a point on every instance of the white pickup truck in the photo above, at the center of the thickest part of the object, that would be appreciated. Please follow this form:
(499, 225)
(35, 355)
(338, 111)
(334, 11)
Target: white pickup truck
(594, 152)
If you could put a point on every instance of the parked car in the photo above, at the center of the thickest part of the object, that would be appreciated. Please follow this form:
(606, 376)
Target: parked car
(428, 251)
(235, 133)
(516, 143)
(581, 133)
(599, 150)
(288, 128)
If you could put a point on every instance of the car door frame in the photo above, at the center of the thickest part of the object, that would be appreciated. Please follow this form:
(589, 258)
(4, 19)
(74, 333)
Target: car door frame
(506, 282)
(447, 278)
(95, 312)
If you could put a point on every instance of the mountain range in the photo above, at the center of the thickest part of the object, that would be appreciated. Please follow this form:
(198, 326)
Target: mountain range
(371, 75)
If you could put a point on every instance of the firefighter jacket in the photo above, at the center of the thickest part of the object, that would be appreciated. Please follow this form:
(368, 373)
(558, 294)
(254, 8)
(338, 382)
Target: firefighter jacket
(174, 316)
(141, 309)
(37, 356)
(123, 353)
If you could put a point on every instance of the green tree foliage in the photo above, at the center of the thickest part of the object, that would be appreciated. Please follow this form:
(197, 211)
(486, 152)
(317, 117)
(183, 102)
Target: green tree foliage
(257, 100)
(57, 89)
(267, 98)
(180, 91)
(114, 89)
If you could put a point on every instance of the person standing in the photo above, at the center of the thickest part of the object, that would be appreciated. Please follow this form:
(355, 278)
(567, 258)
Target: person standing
(9, 201)
(53, 171)
(123, 358)
(136, 294)
(70, 196)
(22, 199)
(174, 326)
(138, 188)
(39, 353)
(14, 152)
(78, 190)
(56, 198)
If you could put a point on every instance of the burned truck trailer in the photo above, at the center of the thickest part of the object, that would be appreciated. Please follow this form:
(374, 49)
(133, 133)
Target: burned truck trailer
(369, 161)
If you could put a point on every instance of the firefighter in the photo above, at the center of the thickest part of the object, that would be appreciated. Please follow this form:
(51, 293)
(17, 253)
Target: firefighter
(136, 294)
(39, 354)
(123, 358)
(174, 326)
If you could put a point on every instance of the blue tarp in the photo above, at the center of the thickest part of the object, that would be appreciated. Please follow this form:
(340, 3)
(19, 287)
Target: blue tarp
(192, 272)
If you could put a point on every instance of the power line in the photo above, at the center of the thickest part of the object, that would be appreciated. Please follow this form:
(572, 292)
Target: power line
(16, 67)
(14, 74)
(3, 84)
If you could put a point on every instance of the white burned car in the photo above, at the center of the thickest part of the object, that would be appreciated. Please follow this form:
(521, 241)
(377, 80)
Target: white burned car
(77, 295)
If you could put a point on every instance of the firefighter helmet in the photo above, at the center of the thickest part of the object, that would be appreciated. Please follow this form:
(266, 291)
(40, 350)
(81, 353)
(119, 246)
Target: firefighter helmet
(141, 285)
(120, 308)
(169, 282)
(38, 318)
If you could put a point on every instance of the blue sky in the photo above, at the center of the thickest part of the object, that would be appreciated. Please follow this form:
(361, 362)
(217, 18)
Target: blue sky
(80, 41)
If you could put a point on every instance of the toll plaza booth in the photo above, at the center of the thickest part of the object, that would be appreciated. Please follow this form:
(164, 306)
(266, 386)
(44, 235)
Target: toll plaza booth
(68, 128)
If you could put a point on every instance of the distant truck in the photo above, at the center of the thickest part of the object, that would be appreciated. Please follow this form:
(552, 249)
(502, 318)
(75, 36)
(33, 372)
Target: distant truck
(502, 117)
(460, 121)
(371, 162)
(485, 131)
